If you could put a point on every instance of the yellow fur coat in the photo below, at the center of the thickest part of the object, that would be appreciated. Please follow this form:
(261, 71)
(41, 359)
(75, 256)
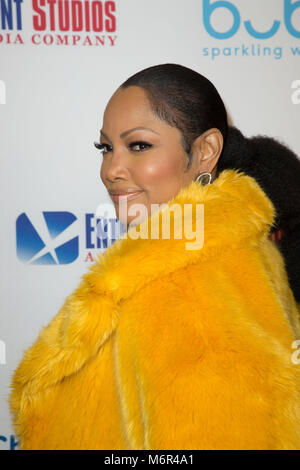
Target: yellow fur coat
(163, 347)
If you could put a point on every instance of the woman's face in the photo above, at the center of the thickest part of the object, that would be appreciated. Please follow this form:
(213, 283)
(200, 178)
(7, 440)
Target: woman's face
(149, 163)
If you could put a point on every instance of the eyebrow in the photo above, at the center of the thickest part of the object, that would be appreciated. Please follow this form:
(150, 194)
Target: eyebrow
(125, 133)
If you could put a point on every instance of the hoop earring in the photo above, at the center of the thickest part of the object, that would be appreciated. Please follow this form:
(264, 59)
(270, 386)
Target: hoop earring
(204, 178)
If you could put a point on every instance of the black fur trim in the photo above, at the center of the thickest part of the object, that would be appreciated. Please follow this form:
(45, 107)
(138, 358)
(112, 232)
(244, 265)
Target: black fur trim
(277, 170)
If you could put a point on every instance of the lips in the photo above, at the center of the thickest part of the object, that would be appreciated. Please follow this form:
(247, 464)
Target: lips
(124, 196)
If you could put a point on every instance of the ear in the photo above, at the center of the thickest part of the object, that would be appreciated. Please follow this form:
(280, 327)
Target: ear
(207, 149)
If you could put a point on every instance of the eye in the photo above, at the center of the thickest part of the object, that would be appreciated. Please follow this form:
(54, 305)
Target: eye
(101, 147)
(145, 145)
(104, 148)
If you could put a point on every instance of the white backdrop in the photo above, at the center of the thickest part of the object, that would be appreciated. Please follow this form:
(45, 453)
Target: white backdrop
(54, 86)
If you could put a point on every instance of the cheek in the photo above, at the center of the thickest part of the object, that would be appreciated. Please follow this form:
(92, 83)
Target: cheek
(160, 169)
(160, 177)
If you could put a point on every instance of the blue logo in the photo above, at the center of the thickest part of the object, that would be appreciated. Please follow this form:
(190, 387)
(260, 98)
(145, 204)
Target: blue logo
(12, 441)
(210, 6)
(53, 244)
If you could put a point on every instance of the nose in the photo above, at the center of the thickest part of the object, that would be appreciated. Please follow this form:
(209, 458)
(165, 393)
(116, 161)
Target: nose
(116, 167)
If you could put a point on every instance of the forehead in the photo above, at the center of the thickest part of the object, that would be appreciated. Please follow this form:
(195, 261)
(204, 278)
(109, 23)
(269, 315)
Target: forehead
(129, 105)
(130, 108)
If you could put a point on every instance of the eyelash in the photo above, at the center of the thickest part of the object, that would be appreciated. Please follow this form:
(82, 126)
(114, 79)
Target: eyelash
(101, 147)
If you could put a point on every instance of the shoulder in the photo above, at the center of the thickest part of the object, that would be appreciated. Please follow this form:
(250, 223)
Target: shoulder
(240, 296)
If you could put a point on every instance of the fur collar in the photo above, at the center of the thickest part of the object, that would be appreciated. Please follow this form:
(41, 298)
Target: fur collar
(236, 212)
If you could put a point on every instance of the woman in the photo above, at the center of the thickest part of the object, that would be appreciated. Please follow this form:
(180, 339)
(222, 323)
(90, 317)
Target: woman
(177, 342)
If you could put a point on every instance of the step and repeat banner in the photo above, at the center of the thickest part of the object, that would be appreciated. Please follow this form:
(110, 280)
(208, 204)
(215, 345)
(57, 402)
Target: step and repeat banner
(60, 62)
